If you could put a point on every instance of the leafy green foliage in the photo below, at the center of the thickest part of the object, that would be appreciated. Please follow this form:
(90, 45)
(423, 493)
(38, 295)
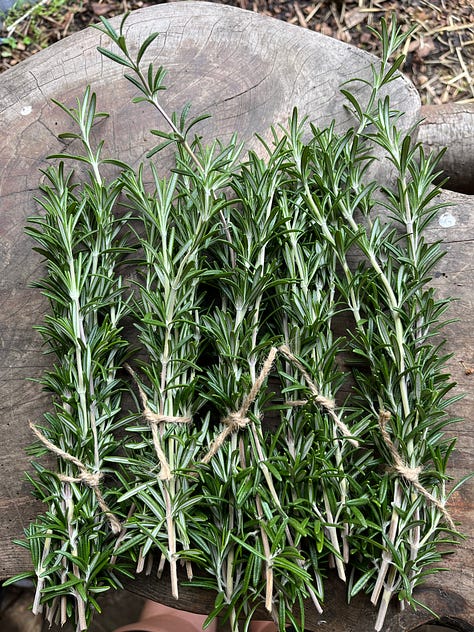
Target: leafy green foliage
(23, 23)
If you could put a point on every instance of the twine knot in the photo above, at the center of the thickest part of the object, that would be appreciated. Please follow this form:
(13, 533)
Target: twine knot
(328, 404)
(410, 474)
(155, 420)
(91, 479)
(159, 418)
(236, 421)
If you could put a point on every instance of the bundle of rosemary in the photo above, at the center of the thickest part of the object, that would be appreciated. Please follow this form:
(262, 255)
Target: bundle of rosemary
(180, 222)
(73, 544)
(246, 268)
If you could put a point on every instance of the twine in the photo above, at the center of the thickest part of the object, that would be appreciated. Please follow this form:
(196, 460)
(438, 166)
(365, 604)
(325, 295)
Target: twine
(410, 474)
(238, 420)
(91, 479)
(326, 403)
(155, 419)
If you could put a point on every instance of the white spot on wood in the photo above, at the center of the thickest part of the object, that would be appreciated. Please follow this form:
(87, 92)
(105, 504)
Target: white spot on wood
(25, 110)
(447, 220)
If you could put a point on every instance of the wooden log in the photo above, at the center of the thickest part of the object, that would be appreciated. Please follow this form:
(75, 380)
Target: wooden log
(452, 126)
(248, 71)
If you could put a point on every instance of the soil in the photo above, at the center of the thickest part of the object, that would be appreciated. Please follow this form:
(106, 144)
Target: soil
(440, 51)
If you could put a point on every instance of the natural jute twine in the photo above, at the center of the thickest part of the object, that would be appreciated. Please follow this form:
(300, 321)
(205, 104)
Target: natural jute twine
(155, 419)
(239, 420)
(410, 474)
(91, 479)
(326, 403)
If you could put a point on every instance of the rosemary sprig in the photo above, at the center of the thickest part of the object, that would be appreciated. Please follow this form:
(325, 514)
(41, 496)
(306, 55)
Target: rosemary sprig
(179, 220)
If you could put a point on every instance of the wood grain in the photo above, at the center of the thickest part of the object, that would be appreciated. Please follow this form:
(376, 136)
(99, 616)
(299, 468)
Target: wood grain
(248, 71)
(451, 125)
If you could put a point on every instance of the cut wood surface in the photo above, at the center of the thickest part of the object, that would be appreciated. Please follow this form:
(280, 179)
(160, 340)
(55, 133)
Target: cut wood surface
(248, 71)
(452, 126)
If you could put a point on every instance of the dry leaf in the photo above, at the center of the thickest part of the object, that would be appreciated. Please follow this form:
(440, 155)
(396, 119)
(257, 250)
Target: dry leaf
(422, 47)
(354, 17)
(101, 9)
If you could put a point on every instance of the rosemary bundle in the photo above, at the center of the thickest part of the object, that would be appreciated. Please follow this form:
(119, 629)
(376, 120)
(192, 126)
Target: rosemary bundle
(257, 279)
(308, 304)
(179, 220)
(240, 456)
(405, 389)
(72, 544)
(396, 317)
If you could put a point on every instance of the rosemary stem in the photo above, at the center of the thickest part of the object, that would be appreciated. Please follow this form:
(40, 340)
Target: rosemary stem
(161, 566)
(268, 557)
(140, 561)
(181, 139)
(62, 607)
(386, 598)
(386, 554)
(343, 496)
(80, 605)
(85, 136)
(230, 561)
(333, 537)
(229, 576)
(37, 607)
(171, 527)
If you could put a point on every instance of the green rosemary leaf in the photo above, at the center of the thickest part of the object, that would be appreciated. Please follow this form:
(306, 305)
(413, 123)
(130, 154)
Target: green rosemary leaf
(114, 57)
(145, 46)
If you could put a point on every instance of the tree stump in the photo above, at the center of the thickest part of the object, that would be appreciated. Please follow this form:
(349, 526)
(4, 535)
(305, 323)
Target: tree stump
(248, 72)
(451, 125)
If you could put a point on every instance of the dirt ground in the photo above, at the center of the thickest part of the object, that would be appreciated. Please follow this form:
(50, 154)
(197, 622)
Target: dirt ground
(440, 52)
